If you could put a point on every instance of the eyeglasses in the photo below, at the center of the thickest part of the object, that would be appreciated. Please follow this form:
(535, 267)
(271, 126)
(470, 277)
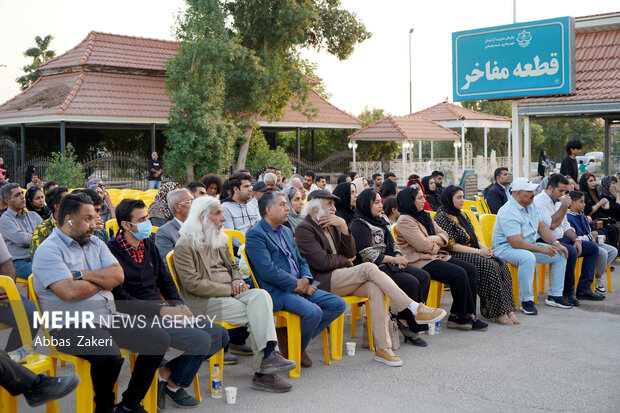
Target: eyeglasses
(189, 201)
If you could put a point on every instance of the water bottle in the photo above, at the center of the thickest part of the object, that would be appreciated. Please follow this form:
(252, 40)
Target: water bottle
(22, 352)
(438, 327)
(216, 382)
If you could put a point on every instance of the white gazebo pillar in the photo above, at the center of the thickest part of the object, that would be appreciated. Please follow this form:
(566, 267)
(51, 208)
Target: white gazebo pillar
(354, 160)
(516, 141)
(463, 145)
(432, 150)
(404, 159)
(420, 150)
(527, 146)
(509, 143)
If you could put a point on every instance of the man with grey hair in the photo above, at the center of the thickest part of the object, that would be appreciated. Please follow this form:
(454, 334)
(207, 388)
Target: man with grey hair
(297, 182)
(270, 180)
(210, 282)
(179, 202)
(17, 226)
(326, 243)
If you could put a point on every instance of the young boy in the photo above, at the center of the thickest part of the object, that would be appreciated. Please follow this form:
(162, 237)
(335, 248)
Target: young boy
(578, 220)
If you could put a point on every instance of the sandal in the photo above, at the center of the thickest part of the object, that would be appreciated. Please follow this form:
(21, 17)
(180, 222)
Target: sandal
(514, 318)
(503, 320)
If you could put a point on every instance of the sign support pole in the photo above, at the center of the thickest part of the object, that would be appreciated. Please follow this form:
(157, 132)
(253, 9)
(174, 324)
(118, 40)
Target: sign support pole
(527, 146)
(516, 141)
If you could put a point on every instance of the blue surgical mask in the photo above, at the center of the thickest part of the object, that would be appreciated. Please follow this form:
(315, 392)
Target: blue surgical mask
(144, 230)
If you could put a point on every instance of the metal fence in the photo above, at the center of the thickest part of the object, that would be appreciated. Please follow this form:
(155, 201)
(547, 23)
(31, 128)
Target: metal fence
(330, 167)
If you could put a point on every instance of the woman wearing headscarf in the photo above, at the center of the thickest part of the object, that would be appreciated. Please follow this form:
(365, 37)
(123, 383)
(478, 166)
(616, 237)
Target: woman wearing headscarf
(421, 240)
(347, 193)
(609, 190)
(107, 206)
(361, 184)
(494, 280)
(296, 205)
(430, 193)
(374, 243)
(596, 208)
(344, 178)
(159, 212)
(417, 183)
(35, 201)
(388, 188)
(543, 162)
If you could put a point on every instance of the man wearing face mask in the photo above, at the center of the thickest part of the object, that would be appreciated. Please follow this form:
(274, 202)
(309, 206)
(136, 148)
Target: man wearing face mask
(146, 277)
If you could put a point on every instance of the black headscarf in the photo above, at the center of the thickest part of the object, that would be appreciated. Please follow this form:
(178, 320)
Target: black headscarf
(388, 188)
(343, 205)
(342, 178)
(362, 208)
(29, 173)
(406, 205)
(44, 212)
(447, 206)
(542, 156)
(433, 197)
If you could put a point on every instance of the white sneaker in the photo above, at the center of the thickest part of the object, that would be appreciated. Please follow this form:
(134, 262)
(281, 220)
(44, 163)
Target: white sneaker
(600, 287)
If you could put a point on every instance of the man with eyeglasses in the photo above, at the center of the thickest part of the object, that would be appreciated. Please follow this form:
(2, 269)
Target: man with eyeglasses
(179, 202)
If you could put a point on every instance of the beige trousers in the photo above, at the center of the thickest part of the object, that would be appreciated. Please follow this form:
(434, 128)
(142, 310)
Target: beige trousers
(367, 280)
(252, 308)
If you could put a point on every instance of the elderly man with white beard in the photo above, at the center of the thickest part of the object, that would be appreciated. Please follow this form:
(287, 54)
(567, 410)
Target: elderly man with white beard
(210, 283)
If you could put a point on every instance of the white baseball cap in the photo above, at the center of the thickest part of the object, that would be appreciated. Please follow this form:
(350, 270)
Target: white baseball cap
(523, 184)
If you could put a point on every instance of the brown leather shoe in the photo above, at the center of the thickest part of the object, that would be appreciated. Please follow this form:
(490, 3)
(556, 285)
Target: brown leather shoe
(271, 383)
(275, 363)
(305, 360)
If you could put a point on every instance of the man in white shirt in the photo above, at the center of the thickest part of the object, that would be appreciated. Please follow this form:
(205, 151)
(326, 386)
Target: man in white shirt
(552, 205)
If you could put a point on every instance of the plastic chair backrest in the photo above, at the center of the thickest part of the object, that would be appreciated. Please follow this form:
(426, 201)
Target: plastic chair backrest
(112, 223)
(234, 234)
(476, 224)
(432, 214)
(250, 269)
(487, 221)
(170, 261)
(17, 306)
(469, 204)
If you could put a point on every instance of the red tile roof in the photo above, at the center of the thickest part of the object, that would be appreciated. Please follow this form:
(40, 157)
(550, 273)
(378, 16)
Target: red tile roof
(114, 76)
(597, 68)
(409, 127)
(450, 111)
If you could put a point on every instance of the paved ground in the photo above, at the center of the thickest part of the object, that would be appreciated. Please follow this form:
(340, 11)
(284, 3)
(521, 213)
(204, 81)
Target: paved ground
(560, 360)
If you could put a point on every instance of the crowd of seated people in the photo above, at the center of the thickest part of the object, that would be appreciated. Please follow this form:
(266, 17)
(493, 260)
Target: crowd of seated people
(307, 247)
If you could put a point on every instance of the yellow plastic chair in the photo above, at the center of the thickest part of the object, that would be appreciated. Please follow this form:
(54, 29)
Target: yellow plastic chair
(292, 322)
(336, 328)
(469, 204)
(113, 224)
(36, 363)
(84, 392)
(476, 224)
(432, 213)
(487, 221)
(482, 207)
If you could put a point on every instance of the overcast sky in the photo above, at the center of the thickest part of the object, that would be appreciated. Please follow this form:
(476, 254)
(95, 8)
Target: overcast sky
(376, 75)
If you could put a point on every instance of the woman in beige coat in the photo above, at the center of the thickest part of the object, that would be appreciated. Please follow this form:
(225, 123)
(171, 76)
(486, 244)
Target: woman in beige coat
(421, 240)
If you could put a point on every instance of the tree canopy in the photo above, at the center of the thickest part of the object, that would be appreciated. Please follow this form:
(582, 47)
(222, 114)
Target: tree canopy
(39, 54)
(240, 61)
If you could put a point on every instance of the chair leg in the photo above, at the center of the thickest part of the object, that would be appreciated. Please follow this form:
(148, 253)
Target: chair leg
(336, 332)
(542, 272)
(515, 283)
(150, 400)
(197, 395)
(371, 341)
(84, 393)
(326, 346)
(9, 402)
(609, 278)
(355, 315)
(293, 333)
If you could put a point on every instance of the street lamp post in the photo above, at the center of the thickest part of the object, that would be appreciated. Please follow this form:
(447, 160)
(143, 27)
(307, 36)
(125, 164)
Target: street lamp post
(457, 145)
(353, 146)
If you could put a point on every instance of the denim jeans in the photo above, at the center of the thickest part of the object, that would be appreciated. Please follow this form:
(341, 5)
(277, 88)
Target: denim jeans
(23, 268)
(606, 254)
(526, 261)
(589, 252)
(6, 317)
(317, 311)
(154, 184)
(198, 344)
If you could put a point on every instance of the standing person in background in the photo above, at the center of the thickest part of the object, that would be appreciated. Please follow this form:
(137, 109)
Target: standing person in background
(569, 164)
(377, 181)
(155, 170)
(543, 162)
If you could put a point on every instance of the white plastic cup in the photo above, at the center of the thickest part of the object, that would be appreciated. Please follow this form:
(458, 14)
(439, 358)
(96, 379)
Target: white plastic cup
(231, 395)
(601, 239)
(350, 348)
(431, 329)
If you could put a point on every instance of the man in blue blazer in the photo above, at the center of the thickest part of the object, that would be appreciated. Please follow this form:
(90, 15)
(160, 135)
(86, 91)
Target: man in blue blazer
(280, 269)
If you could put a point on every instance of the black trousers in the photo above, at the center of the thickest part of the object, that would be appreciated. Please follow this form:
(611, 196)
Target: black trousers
(415, 283)
(105, 360)
(461, 277)
(15, 378)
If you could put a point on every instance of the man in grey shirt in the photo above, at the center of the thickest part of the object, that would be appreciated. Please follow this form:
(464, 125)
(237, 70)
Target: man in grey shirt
(17, 226)
(74, 271)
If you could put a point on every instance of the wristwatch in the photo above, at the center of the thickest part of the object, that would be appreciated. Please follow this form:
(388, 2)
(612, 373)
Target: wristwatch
(77, 275)
(556, 243)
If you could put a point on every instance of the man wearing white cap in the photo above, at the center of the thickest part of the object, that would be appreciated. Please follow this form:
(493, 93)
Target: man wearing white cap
(516, 230)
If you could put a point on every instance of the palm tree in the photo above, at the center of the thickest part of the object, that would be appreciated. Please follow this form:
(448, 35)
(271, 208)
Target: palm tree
(39, 55)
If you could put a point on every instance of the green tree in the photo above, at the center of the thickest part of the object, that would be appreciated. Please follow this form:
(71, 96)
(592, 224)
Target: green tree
(252, 47)
(65, 169)
(260, 155)
(39, 55)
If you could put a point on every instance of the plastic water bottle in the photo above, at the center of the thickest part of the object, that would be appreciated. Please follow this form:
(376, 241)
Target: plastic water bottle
(22, 352)
(438, 327)
(216, 382)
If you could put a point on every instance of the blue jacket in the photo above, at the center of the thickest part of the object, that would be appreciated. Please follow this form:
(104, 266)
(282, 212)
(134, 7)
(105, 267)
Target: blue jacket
(496, 197)
(581, 225)
(268, 260)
